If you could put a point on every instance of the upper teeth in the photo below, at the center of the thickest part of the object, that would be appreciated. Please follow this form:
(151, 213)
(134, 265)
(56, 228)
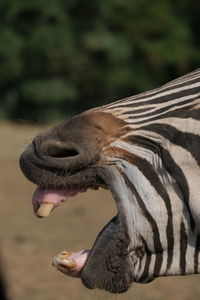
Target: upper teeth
(63, 260)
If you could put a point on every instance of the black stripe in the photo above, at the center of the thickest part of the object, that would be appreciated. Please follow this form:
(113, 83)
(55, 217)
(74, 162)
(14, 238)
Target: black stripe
(183, 249)
(171, 167)
(188, 141)
(145, 273)
(182, 113)
(139, 110)
(175, 171)
(156, 235)
(196, 254)
(161, 99)
(151, 93)
(163, 111)
(144, 142)
(148, 171)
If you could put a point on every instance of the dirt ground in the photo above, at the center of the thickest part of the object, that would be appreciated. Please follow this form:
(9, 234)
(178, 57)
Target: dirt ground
(28, 244)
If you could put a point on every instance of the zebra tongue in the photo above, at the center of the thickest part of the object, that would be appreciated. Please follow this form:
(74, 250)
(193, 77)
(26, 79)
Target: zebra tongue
(45, 200)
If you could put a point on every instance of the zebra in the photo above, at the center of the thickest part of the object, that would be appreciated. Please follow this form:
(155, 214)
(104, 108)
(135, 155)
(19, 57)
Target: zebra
(145, 149)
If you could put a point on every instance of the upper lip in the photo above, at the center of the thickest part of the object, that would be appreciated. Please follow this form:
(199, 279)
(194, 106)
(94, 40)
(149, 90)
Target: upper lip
(52, 172)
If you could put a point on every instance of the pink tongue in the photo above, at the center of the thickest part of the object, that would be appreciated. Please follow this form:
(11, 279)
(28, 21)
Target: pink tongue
(54, 197)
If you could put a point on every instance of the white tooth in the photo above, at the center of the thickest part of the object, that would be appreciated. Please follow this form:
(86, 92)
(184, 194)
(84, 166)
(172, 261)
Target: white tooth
(67, 263)
(45, 209)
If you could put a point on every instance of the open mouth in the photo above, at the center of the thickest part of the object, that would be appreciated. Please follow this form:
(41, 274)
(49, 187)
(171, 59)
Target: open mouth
(44, 202)
(86, 264)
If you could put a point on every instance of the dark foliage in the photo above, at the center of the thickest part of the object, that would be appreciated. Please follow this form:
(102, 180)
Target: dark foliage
(60, 57)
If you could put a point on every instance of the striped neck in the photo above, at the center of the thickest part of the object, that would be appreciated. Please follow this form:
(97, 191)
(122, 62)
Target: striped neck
(157, 160)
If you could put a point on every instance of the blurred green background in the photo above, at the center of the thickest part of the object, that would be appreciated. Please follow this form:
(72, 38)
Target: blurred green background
(59, 57)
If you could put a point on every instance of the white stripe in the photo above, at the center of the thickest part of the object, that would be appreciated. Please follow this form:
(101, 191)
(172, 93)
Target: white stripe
(129, 100)
(188, 125)
(133, 149)
(152, 200)
(156, 115)
(121, 113)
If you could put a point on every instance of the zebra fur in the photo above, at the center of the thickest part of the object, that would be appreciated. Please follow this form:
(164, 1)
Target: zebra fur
(159, 161)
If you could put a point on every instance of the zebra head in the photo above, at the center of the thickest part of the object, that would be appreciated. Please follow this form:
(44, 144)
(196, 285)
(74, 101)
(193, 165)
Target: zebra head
(145, 149)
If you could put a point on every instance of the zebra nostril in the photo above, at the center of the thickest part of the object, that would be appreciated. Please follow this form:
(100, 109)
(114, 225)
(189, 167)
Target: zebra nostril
(60, 151)
(64, 153)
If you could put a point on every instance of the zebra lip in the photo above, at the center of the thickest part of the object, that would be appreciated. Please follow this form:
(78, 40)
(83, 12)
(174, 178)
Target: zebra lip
(46, 200)
(71, 263)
